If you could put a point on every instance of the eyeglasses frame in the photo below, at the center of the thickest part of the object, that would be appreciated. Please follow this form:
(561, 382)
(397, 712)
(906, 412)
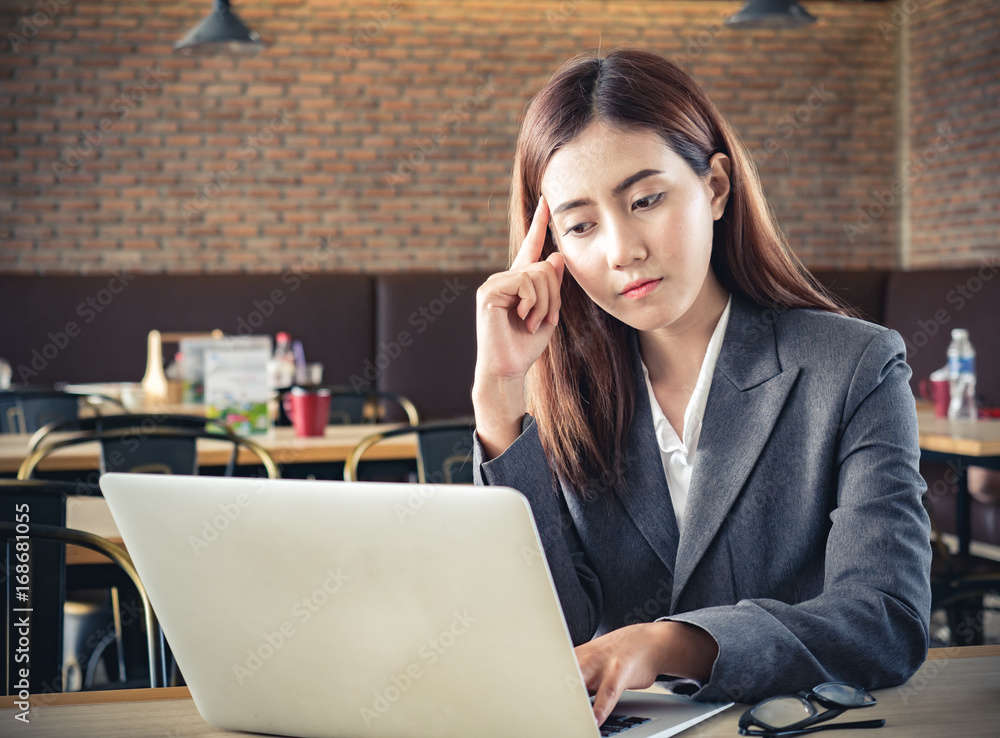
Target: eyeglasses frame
(809, 724)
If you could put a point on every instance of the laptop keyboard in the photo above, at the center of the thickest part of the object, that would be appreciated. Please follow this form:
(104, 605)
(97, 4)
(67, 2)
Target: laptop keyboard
(618, 724)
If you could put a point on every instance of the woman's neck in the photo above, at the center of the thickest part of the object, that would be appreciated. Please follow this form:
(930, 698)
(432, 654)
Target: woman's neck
(673, 354)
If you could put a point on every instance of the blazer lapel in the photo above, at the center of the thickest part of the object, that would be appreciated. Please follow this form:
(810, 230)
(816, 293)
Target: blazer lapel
(749, 389)
(647, 498)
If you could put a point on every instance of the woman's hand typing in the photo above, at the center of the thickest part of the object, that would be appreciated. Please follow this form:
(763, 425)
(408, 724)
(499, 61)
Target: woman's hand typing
(633, 656)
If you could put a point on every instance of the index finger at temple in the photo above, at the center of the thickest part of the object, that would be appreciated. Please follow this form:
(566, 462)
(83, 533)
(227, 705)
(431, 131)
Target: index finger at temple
(531, 247)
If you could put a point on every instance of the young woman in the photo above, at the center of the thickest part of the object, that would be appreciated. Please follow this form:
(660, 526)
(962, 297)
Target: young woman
(721, 464)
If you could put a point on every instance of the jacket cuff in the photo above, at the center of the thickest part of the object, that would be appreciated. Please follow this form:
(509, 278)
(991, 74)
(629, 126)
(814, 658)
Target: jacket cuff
(500, 470)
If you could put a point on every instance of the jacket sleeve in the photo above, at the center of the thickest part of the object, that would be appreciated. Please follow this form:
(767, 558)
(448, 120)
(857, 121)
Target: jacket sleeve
(870, 623)
(524, 467)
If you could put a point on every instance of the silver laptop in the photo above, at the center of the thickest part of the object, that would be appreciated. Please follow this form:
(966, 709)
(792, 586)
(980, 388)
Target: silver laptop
(337, 609)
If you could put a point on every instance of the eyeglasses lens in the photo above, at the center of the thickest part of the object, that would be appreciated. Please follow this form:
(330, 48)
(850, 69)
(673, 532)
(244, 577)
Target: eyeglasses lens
(782, 711)
(843, 694)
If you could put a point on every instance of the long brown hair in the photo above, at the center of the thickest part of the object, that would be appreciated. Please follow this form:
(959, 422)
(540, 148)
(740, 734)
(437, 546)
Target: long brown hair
(581, 389)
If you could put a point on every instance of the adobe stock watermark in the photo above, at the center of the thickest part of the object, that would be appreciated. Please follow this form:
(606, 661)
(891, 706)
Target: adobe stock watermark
(30, 25)
(958, 297)
(301, 613)
(88, 310)
(21, 603)
(131, 438)
(450, 123)
(599, 489)
(461, 453)
(705, 39)
(415, 500)
(884, 200)
(655, 606)
(898, 18)
(559, 15)
(229, 512)
(362, 35)
(428, 654)
(967, 631)
(420, 320)
(786, 126)
(557, 18)
(292, 278)
(73, 157)
(247, 153)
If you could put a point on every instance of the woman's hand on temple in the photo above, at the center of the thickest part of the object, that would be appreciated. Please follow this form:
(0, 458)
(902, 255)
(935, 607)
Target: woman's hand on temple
(517, 312)
(632, 657)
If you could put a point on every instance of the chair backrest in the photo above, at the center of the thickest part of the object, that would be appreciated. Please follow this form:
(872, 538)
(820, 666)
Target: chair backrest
(27, 411)
(41, 642)
(350, 407)
(160, 450)
(444, 451)
(138, 422)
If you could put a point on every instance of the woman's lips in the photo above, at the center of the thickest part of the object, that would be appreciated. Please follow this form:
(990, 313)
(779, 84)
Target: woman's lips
(641, 288)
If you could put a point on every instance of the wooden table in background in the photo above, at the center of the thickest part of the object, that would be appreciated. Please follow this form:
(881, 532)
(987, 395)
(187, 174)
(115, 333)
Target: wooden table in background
(281, 443)
(955, 693)
(284, 447)
(981, 438)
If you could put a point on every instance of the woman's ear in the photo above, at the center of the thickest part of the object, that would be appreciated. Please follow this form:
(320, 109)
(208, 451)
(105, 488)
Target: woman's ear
(718, 183)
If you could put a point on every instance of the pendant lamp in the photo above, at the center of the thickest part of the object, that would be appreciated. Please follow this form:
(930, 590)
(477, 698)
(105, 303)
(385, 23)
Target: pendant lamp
(220, 30)
(771, 14)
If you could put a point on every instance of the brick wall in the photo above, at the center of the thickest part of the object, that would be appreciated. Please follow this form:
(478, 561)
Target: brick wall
(377, 136)
(954, 62)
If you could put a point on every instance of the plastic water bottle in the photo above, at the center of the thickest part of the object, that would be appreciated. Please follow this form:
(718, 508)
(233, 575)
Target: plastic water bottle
(962, 377)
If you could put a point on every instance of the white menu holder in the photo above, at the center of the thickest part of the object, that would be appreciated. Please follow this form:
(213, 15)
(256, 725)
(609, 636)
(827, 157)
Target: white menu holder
(236, 387)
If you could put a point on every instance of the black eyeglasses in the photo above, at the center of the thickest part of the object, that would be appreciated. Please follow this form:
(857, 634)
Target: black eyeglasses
(795, 714)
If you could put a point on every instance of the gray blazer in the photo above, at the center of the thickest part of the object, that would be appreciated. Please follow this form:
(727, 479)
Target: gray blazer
(806, 550)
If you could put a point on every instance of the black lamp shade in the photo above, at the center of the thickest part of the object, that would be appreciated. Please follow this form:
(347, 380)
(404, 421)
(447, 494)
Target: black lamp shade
(771, 14)
(221, 26)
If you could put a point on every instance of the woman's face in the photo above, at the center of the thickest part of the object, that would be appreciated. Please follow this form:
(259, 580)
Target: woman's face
(634, 223)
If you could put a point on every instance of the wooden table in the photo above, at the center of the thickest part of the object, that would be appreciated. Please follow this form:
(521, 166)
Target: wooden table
(979, 439)
(955, 693)
(960, 445)
(281, 443)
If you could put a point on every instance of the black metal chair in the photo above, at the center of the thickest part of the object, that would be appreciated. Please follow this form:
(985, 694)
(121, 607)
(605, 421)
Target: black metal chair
(27, 411)
(960, 582)
(32, 523)
(349, 407)
(444, 451)
(141, 422)
(158, 450)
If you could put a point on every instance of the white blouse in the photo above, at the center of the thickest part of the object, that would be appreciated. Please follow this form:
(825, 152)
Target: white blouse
(678, 454)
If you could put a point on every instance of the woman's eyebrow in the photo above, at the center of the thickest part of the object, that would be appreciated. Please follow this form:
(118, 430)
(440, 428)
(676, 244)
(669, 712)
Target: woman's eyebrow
(629, 181)
(621, 187)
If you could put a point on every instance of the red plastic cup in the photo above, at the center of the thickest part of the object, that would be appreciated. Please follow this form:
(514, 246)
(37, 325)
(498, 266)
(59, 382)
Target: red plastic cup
(308, 409)
(938, 392)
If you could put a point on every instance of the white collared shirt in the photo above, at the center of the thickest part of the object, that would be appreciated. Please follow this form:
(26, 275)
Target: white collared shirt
(676, 454)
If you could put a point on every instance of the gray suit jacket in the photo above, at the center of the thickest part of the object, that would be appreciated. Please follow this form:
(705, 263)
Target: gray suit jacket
(805, 550)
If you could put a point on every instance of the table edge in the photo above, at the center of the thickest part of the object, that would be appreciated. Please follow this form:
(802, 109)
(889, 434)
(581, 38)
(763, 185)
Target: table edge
(181, 693)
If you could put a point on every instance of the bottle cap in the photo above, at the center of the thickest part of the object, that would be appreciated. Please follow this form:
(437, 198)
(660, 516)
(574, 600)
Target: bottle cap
(959, 334)
(283, 336)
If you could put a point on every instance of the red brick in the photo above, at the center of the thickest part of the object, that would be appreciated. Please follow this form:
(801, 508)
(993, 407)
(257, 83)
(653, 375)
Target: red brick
(360, 114)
